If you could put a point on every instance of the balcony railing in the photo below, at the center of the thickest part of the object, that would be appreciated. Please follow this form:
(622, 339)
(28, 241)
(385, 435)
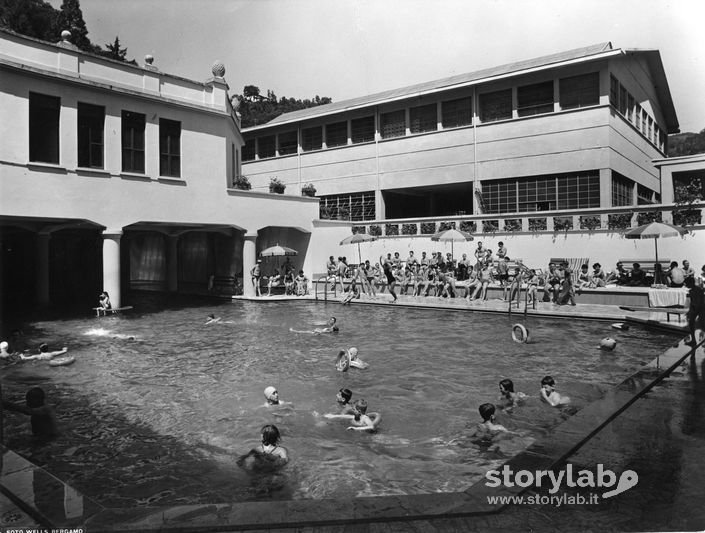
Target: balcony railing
(573, 220)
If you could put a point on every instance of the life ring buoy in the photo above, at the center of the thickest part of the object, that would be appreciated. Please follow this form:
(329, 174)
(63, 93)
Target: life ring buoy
(343, 362)
(608, 344)
(520, 334)
(62, 361)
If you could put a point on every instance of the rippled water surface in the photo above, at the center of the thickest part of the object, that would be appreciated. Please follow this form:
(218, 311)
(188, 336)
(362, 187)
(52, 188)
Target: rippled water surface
(162, 418)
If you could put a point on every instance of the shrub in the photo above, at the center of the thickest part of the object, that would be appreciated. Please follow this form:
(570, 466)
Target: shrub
(241, 182)
(686, 217)
(490, 226)
(619, 221)
(375, 230)
(276, 186)
(391, 229)
(428, 228)
(409, 229)
(343, 212)
(538, 224)
(590, 222)
(562, 223)
(358, 229)
(446, 225)
(512, 224)
(647, 217)
(327, 212)
(469, 226)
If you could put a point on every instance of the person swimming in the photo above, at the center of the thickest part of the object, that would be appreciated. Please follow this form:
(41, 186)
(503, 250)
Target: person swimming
(272, 395)
(343, 398)
(330, 327)
(212, 319)
(269, 454)
(507, 394)
(342, 361)
(550, 395)
(354, 361)
(488, 425)
(42, 418)
(44, 354)
(359, 418)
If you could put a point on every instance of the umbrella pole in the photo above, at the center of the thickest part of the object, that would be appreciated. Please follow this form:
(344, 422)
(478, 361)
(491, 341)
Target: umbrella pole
(359, 255)
(656, 246)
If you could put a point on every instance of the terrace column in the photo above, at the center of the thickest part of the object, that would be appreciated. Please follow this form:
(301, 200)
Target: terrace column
(172, 263)
(249, 258)
(43, 268)
(605, 187)
(111, 265)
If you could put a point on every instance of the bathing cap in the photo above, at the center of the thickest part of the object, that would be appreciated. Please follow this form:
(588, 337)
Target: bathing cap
(269, 391)
(353, 352)
(4, 345)
(608, 344)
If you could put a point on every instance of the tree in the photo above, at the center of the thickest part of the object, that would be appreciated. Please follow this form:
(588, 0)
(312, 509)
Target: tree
(257, 109)
(71, 18)
(33, 18)
(113, 51)
(686, 144)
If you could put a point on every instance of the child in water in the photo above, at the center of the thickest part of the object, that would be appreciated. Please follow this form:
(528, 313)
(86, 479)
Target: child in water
(488, 425)
(550, 395)
(42, 416)
(360, 419)
(269, 454)
(507, 394)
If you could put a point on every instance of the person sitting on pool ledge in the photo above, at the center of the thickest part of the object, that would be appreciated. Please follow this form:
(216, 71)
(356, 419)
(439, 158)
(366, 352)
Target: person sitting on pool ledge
(269, 454)
(360, 420)
(507, 394)
(44, 354)
(550, 395)
(104, 300)
(42, 416)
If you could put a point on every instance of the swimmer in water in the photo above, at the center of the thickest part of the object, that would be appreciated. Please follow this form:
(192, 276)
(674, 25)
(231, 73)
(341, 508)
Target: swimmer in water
(507, 394)
(212, 319)
(342, 362)
(360, 419)
(272, 396)
(343, 398)
(354, 361)
(4, 347)
(488, 425)
(269, 453)
(42, 416)
(44, 354)
(550, 395)
(330, 327)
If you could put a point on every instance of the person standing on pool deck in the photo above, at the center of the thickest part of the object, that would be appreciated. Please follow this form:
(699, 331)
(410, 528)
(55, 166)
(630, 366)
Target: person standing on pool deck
(256, 274)
(391, 280)
(42, 416)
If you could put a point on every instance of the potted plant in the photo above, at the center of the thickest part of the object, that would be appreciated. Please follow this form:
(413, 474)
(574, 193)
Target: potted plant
(308, 190)
(241, 182)
(276, 186)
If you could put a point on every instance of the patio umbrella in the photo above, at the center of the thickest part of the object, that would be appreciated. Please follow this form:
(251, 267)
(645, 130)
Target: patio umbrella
(357, 239)
(451, 235)
(655, 231)
(277, 251)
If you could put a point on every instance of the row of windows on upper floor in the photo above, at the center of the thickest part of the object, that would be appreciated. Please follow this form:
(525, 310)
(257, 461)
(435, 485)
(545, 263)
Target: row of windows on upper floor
(44, 134)
(538, 98)
(629, 108)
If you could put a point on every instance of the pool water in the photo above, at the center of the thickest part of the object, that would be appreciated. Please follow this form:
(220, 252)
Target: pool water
(161, 419)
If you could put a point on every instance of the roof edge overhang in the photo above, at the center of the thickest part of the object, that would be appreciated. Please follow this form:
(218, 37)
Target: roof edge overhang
(379, 98)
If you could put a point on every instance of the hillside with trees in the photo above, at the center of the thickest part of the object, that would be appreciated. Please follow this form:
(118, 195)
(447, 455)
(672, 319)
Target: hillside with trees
(686, 144)
(38, 19)
(256, 109)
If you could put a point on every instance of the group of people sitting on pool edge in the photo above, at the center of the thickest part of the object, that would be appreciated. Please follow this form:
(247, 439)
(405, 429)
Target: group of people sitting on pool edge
(444, 276)
(509, 398)
(293, 285)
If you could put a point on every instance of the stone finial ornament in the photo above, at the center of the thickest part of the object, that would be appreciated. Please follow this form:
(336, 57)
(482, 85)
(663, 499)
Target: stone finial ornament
(66, 36)
(149, 59)
(218, 69)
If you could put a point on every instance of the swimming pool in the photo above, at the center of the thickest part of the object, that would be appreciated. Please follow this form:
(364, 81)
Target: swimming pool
(162, 419)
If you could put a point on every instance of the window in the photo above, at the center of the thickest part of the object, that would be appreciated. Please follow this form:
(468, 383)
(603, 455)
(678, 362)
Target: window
(169, 148)
(91, 119)
(637, 117)
(288, 143)
(266, 146)
(363, 129)
(644, 121)
(456, 113)
(312, 138)
(423, 118)
(644, 195)
(578, 191)
(500, 195)
(622, 190)
(337, 134)
(623, 100)
(496, 106)
(537, 194)
(248, 151)
(630, 108)
(535, 99)
(614, 91)
(393, 124)
(579, 91)
(358, 206)
(133, 142)
(234, 162)
(44, 128)
(649, 129)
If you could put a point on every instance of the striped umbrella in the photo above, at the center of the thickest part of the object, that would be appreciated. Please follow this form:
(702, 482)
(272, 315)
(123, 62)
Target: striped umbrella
(655, 231)
(451, 235)
(357, 239)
